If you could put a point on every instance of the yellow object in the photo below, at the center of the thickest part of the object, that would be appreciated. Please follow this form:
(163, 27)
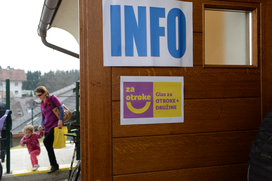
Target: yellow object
(59, 137)
(167, 99)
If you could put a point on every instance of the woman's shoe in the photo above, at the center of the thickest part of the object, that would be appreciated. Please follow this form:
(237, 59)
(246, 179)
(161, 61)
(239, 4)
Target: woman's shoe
(53, 168)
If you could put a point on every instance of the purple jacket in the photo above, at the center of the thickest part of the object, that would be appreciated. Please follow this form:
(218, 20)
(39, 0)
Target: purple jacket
(50, 119)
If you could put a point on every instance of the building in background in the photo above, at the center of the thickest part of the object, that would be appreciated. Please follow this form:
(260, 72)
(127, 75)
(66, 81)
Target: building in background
(16, 77)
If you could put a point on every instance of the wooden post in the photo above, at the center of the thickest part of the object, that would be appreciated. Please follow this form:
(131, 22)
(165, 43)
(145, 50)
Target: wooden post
(95, 96)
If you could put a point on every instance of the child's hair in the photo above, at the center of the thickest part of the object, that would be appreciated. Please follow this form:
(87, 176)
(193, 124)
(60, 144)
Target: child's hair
(28, 127)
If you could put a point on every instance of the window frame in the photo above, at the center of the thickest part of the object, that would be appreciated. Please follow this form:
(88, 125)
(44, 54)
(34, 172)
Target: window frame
(255, 10)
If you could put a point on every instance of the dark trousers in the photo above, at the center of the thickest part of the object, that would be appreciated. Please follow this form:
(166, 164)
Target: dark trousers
(48, 143)
(3, 144)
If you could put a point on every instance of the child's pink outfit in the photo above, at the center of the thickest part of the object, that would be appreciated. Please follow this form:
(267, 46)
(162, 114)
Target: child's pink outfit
(33, 146)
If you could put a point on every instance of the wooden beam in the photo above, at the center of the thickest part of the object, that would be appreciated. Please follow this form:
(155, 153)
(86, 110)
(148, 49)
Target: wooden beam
(159, 153)
(201, 115)
(222, 173)
(95, 96)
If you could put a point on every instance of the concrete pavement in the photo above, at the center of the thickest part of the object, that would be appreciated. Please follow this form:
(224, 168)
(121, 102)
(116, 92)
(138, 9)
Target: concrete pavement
(21, 168)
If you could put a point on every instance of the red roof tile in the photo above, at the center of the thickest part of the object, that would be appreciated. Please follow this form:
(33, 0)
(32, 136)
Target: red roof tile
(12, 74)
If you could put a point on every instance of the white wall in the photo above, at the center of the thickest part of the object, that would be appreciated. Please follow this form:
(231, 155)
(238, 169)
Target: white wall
(16, 88)
(13, 88)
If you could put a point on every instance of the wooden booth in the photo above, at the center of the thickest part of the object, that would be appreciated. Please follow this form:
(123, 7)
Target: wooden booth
(224, 102)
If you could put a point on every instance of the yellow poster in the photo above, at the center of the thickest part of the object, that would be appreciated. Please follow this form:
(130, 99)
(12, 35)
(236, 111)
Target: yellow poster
(167, 99)
(151, 100)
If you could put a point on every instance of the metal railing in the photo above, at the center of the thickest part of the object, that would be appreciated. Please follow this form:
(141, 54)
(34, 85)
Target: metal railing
(78, 119)
(8, 128)
(8, 122)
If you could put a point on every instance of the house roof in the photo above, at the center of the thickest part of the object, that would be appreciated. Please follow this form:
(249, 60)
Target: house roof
(19, 124)
(12, 74)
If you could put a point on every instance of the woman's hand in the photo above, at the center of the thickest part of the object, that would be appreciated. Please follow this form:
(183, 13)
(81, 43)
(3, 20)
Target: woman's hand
(60, 124)
(40, 127)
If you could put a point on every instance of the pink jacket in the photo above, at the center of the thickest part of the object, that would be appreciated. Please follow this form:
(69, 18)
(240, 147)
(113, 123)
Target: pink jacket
(32, 142)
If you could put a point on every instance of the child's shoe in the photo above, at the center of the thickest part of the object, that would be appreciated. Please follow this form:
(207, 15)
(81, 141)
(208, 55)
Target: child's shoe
(36, 166)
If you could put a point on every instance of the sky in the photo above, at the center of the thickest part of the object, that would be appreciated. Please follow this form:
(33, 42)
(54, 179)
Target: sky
(21, 46)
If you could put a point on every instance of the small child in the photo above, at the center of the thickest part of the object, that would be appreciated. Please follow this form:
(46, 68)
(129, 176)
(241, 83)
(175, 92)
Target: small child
(33, 145)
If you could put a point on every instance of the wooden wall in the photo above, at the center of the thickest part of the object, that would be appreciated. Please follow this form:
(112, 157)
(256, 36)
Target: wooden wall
(223, 110)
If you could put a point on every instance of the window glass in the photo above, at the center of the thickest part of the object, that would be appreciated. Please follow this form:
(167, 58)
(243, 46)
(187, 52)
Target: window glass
(228, 37)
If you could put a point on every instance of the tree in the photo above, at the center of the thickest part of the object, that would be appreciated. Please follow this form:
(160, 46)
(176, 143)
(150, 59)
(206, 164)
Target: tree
(56, 80)
(8, 67)
(32, 80)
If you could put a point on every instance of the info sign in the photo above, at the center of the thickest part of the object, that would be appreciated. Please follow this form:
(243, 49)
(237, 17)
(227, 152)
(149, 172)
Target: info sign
(147, 33)
(151, 100)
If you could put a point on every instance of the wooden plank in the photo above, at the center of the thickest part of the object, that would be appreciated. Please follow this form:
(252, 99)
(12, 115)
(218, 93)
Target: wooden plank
(222, 173)
(159, 153)
(85, 165)
(246, 1)
(200, 82)
(205, 115)
(266, 44)
(197, 49)
(95, 102)
(197, 16)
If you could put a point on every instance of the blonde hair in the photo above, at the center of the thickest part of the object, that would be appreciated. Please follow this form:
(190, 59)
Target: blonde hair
(42, 89)
(29, 128)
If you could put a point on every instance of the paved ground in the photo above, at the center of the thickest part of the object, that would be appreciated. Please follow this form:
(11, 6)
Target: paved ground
(21, 164)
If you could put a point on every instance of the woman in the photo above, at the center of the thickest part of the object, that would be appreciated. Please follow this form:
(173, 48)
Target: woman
(49, 122)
